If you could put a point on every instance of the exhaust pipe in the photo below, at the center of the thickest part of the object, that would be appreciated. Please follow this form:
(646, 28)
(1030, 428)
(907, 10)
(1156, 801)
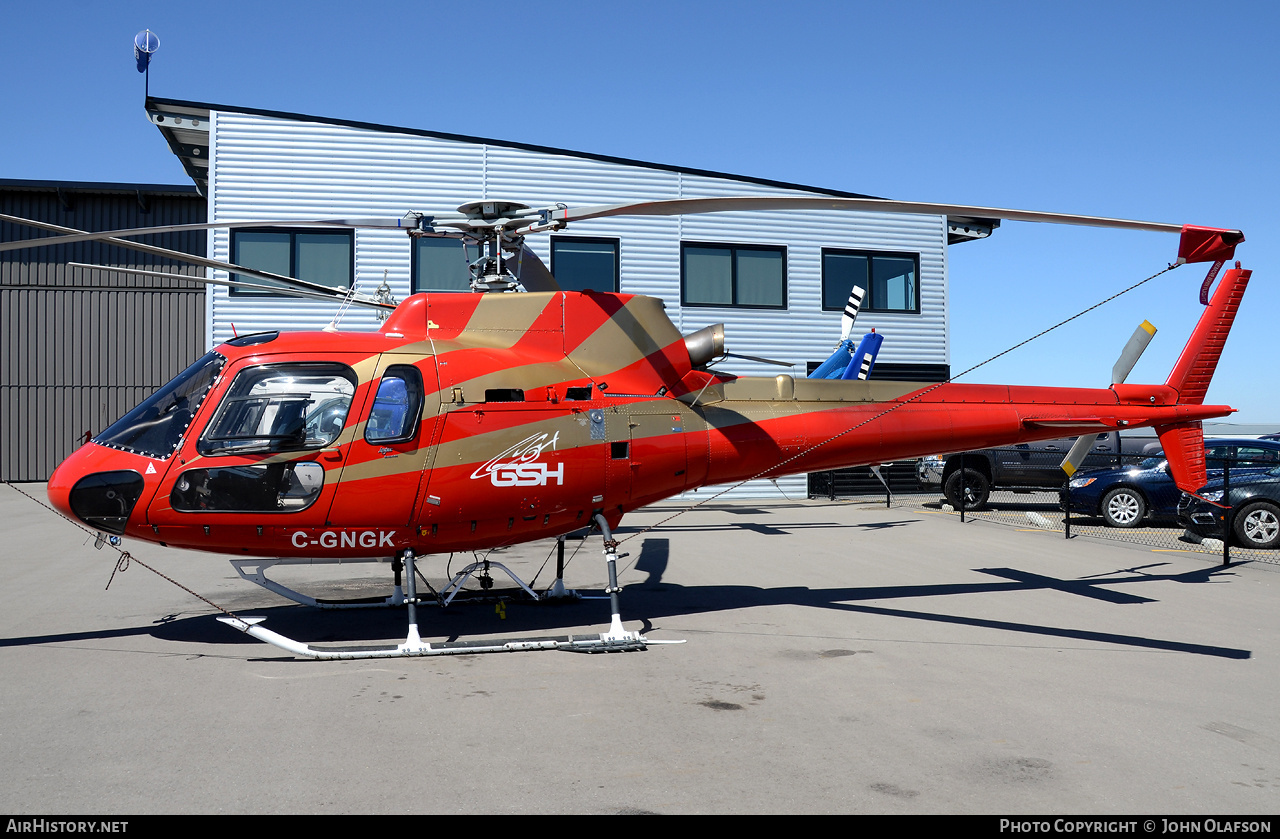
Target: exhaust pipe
(705, 344)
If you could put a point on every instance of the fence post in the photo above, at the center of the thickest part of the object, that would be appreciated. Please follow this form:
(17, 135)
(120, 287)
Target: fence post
(888, 493)
(1228, 519)
(1066, 506)
(962, 504)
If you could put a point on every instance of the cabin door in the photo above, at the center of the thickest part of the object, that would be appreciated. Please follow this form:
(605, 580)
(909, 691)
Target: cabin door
(388, 462)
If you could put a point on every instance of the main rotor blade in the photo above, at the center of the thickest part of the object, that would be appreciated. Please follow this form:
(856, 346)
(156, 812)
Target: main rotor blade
(530, 270)
(288, 282)
(1132, 352)
(405, 223)
(684, 206)
(292, 292)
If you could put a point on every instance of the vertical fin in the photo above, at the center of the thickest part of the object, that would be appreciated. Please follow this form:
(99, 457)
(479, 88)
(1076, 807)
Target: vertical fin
(1194, 370)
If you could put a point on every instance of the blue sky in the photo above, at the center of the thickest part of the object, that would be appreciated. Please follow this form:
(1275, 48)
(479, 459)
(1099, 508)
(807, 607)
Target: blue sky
(1166, 111)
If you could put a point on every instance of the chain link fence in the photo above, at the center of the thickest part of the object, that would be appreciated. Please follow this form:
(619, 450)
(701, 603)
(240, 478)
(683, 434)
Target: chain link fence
(1134, 502)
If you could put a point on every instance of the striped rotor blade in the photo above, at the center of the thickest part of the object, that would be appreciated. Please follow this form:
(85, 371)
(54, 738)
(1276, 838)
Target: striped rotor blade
(530, 270)
(1076, 455)
(683, 206)
(406, 223)
(1132, 352)
(864, 368)
(851, 311)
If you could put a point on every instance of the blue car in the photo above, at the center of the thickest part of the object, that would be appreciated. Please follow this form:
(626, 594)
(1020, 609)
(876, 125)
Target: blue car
(1129, 495)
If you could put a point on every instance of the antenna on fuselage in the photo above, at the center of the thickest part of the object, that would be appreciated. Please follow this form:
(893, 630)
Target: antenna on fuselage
(346, 304)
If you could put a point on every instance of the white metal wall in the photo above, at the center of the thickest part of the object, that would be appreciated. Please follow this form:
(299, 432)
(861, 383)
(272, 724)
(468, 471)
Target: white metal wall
(273, 168)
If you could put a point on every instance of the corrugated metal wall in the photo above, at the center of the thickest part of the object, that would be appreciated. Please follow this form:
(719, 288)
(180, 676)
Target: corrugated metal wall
(268, 167)
(82, 347)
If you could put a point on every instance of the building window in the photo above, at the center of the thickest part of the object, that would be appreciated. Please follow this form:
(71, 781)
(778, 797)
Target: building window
(753, 276)
(581, 264)
(441, 264)
(892, 280)
(323, 258)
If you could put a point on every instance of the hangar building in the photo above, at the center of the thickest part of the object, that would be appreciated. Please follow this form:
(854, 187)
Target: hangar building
(777, 280)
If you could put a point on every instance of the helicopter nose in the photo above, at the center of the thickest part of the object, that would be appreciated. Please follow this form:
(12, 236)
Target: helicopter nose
(102, 500)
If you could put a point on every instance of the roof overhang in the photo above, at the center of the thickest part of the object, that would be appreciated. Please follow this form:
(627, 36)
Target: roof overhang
(968, 228)
(185, 128)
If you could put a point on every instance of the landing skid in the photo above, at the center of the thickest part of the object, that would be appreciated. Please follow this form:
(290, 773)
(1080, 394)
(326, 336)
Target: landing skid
(414, 646)
(616, 639)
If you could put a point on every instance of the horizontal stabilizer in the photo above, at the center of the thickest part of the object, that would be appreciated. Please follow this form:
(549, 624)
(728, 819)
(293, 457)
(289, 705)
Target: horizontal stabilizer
(1069, 422)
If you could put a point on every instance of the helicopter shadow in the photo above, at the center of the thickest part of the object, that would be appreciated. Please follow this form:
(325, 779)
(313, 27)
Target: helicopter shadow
(668, 600)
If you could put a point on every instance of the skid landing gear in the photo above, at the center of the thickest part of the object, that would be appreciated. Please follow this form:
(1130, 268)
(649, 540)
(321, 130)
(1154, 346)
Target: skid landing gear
(616, 639)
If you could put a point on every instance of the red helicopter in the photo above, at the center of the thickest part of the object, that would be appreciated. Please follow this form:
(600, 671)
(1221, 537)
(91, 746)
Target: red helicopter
(474, 421)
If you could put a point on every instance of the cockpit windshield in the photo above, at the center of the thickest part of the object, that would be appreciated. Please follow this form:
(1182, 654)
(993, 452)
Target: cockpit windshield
(281, 407)
(155, 427)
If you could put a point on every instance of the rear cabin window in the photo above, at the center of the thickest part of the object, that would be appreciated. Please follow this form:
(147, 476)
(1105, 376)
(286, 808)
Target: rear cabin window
(397, 407)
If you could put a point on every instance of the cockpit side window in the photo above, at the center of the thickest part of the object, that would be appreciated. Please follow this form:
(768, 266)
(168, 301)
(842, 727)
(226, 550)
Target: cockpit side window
(397, 406)
(281, 407)
(155, 427)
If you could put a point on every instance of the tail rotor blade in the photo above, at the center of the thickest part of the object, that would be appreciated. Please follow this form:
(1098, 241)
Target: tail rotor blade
(1076, 455)
(1128, 358)
(1132, 352)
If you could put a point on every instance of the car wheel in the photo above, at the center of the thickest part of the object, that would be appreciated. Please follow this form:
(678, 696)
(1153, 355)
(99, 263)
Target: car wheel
(971, 485)
(1123, 507)
(1257, 525)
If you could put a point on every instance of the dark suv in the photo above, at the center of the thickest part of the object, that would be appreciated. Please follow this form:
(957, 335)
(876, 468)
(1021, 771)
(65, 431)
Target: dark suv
(1024, 466)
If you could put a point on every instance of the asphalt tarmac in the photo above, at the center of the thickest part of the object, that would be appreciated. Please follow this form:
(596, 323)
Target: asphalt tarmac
(840, 658)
